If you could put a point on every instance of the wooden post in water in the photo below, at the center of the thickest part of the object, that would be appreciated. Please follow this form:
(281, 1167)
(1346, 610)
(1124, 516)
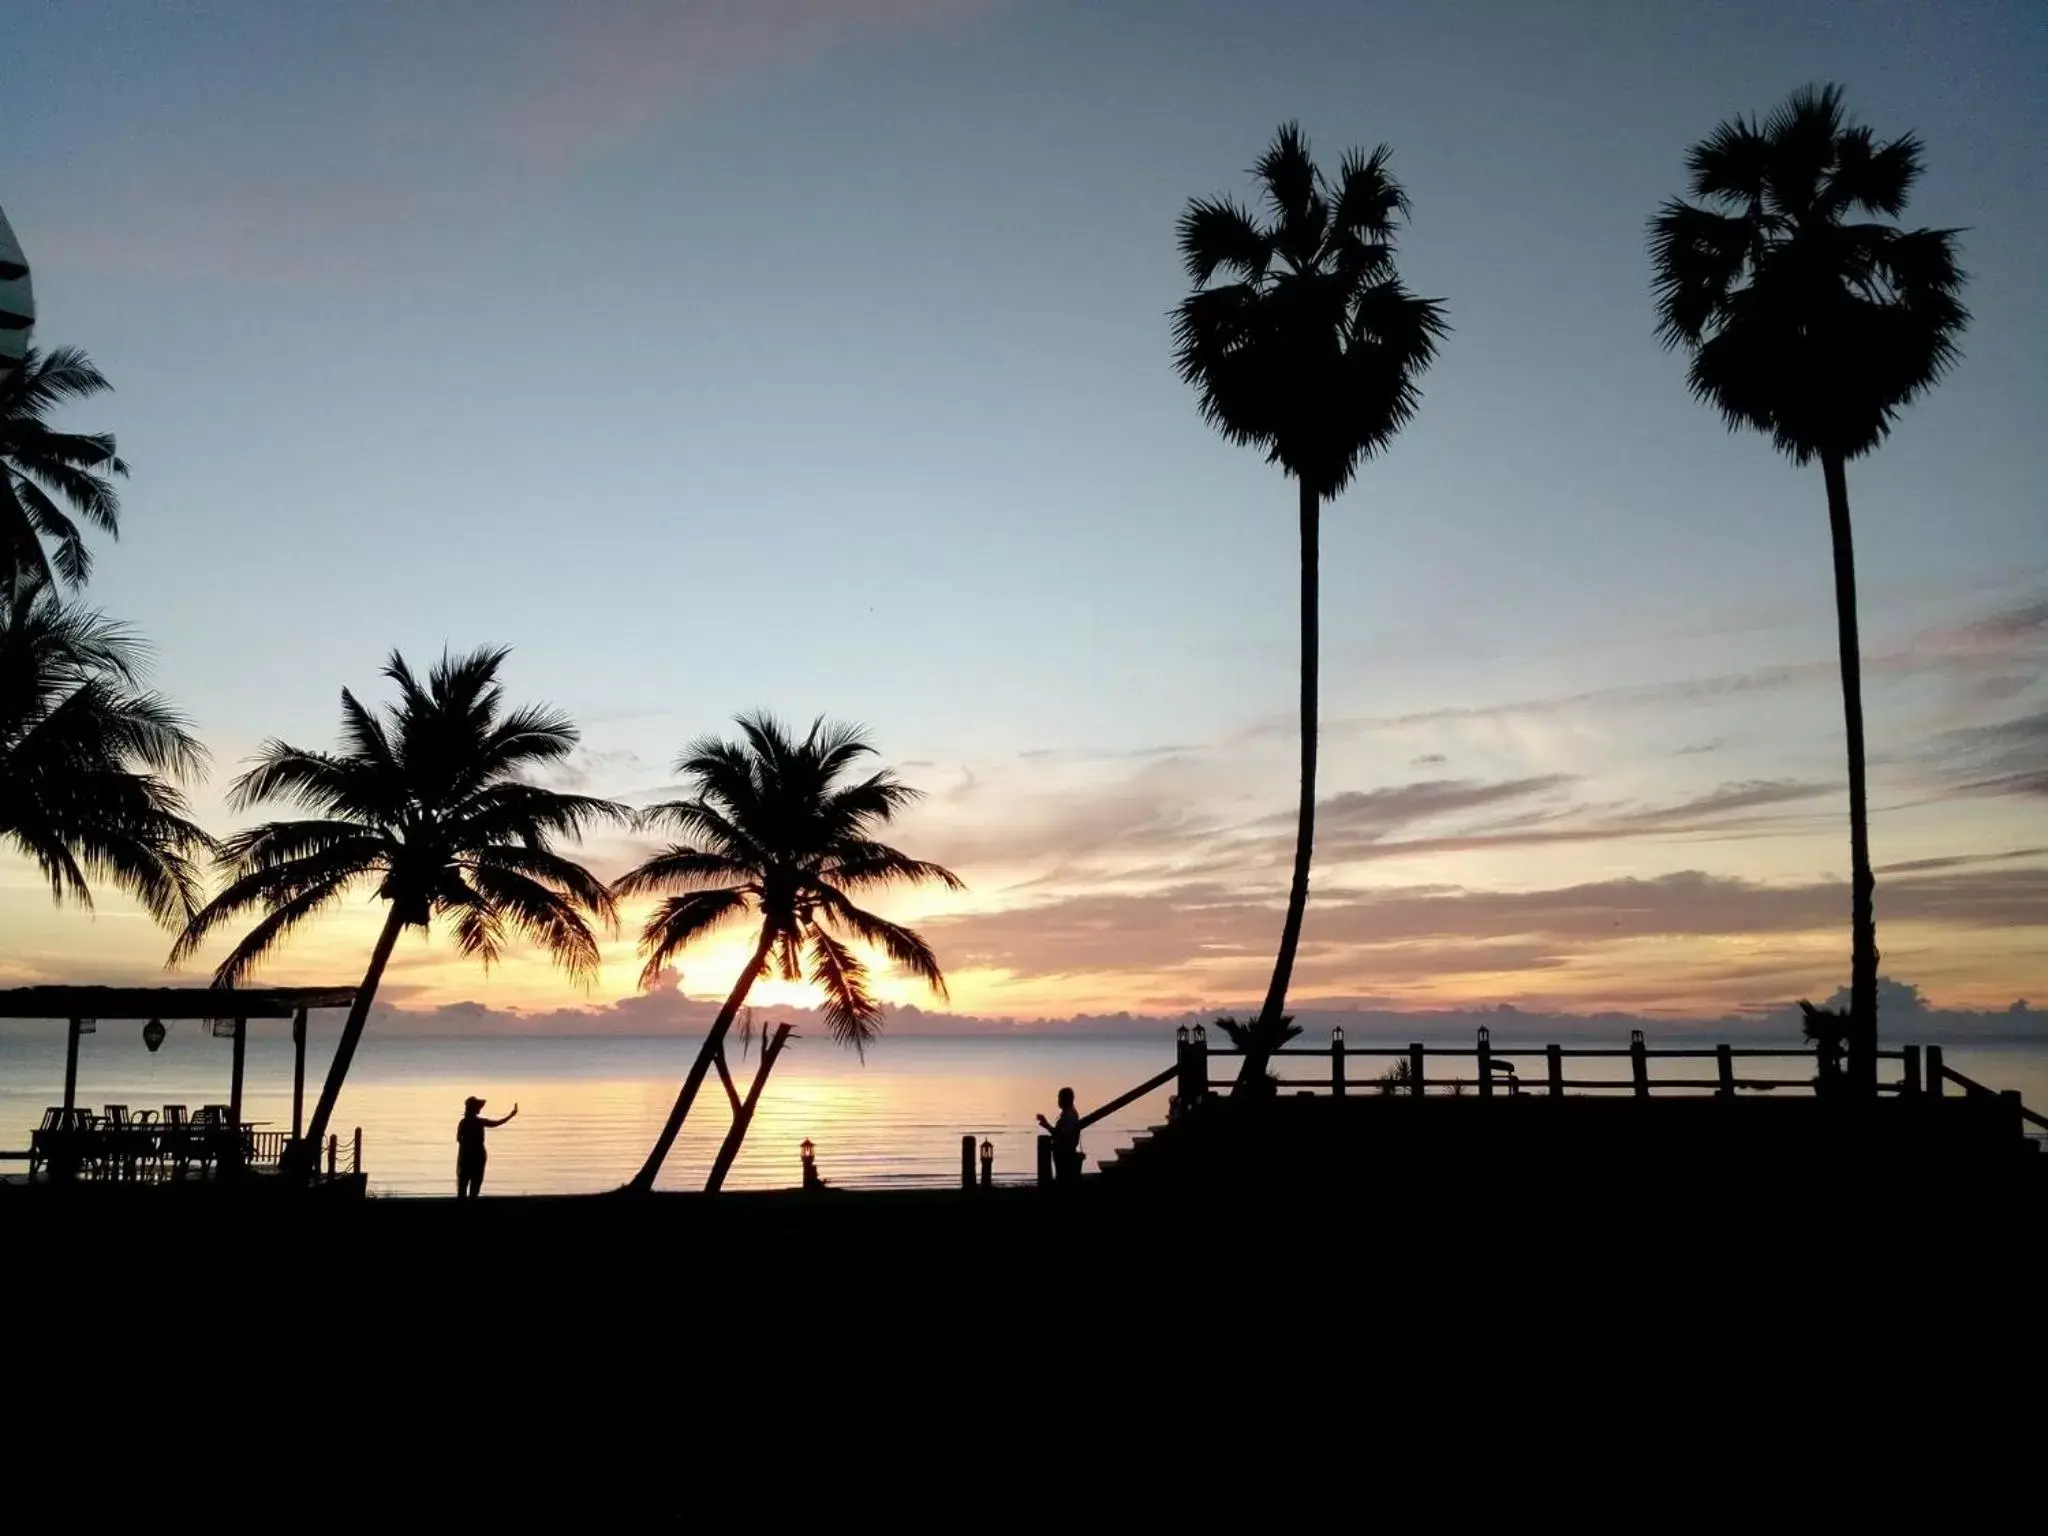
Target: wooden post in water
(1337, 1062)
(333, 1152)
(1044, 1161)
(1553, 1065)
(1639, 1059)
(1415, 1068)
(1485, 1062)
(71, 1070)
(1911, 1086)
(1934, 1071)
(967, 1162)
(1724, 1058)
(355, 1153)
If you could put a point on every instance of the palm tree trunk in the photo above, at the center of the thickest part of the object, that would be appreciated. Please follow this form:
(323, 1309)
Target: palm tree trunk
(644, 1179)
(1862, 883)
(351, 1032)
(1268, 1022)
(744, 1115)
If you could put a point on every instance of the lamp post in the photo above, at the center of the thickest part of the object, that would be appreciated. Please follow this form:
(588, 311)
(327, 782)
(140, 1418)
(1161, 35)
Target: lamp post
(17, 301)
(809, 1153)
(988, 1164)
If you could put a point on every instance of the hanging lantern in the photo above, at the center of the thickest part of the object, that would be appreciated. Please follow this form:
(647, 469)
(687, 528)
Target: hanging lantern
(223, 1029)
(153, 1035)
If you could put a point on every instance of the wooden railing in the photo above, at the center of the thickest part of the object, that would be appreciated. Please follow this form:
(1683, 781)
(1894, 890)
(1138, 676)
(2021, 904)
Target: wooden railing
(1939, 1073)
(1496, 1069)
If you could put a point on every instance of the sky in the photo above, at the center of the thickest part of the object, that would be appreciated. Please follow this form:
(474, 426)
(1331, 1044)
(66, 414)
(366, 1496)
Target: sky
(814, 355)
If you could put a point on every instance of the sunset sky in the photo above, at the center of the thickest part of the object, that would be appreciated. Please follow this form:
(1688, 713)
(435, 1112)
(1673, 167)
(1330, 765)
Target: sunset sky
(814, 355)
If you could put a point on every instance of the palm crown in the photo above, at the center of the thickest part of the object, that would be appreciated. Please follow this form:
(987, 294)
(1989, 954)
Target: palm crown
(778, 826)
(1804, 320)
(1313, 349)
(426, 800)
(40, 466)
(89, 760)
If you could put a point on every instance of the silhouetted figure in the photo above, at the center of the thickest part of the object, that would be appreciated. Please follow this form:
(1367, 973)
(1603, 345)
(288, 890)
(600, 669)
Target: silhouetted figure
(1066, 1140)
(469, 1147)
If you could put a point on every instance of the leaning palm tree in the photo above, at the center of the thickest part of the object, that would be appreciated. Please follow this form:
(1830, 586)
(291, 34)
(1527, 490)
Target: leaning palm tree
(40, 466)
(89, 760)
(779, 830)
(1810, 316)
(426, 800)
(1312, 350)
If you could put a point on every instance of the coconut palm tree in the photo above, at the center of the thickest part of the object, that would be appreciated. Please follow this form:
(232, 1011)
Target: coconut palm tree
(778, 829)
(40, 466)
(1312, 351)
(1811, 316)
(89, 760)
(426, 800)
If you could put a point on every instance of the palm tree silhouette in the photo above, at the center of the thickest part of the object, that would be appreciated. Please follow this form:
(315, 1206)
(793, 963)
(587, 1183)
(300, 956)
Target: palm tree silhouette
(779, 829)
(1816, 326)
(89, 761)
(1312, 351)
(427, 801)
(40, 466)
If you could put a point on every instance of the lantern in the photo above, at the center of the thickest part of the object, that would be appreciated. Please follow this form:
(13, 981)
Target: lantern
(1181, 1034)
(1336, 1034)
(809, 1152)
(1201, 1034)
(153, 1034)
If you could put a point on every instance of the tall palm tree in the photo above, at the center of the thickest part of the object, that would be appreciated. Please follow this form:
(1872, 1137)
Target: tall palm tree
(89, 760)
(1311, 350)
(40, 466)
(1811, 316)
(426, 800)
(778, 829)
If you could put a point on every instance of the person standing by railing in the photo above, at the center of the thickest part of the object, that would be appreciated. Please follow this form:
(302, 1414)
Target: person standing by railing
(469, 1147)
(1066, 1140)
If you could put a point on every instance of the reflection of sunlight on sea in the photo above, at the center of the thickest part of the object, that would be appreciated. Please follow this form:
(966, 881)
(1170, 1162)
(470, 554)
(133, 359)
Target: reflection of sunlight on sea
(589, 1108)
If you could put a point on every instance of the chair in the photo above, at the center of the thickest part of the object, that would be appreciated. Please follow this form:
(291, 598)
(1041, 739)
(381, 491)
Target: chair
(117, 1117)
(53, 1118)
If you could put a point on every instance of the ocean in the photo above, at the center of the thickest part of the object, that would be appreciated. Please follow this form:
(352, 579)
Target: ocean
(589, 1107)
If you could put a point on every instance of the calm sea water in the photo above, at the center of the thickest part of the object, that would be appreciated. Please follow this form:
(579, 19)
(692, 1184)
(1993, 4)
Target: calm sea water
(589, 1108)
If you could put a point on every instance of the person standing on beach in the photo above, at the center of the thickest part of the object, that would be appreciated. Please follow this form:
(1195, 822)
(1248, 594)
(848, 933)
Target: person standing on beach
(469, 1147)
(1066, 1140)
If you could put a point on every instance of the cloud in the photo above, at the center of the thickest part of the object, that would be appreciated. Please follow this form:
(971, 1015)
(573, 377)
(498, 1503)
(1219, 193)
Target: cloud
(1206, 926)
(1429, 760)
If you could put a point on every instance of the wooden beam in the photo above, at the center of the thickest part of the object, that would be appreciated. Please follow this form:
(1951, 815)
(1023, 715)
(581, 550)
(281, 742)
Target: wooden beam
(167, 1002)
(298, 1073)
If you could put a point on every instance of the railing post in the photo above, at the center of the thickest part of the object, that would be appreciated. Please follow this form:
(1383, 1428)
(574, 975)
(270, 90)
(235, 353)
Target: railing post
(1415, 1068)
(298, 1074)
(1201, 1067)
(1553, 1060)
(1911, 1086)
(1337, 1062)
(1639, 1059)
(1044, 1161)
(967, 1162)
(1184, 1064)
(1485, 1062)
(333, 1152)
(355, 1155)
(1934, 1072)
(1724, 1058)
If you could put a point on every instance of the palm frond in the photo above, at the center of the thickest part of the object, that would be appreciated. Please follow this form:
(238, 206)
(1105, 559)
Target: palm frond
(681, 919)
(903, 945)
(851, 1015)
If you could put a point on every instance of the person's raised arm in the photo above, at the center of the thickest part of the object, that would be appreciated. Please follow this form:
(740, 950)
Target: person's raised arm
(494, 1124)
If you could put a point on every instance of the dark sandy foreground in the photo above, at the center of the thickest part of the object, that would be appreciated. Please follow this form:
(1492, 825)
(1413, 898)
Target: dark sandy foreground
(666, 1358)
